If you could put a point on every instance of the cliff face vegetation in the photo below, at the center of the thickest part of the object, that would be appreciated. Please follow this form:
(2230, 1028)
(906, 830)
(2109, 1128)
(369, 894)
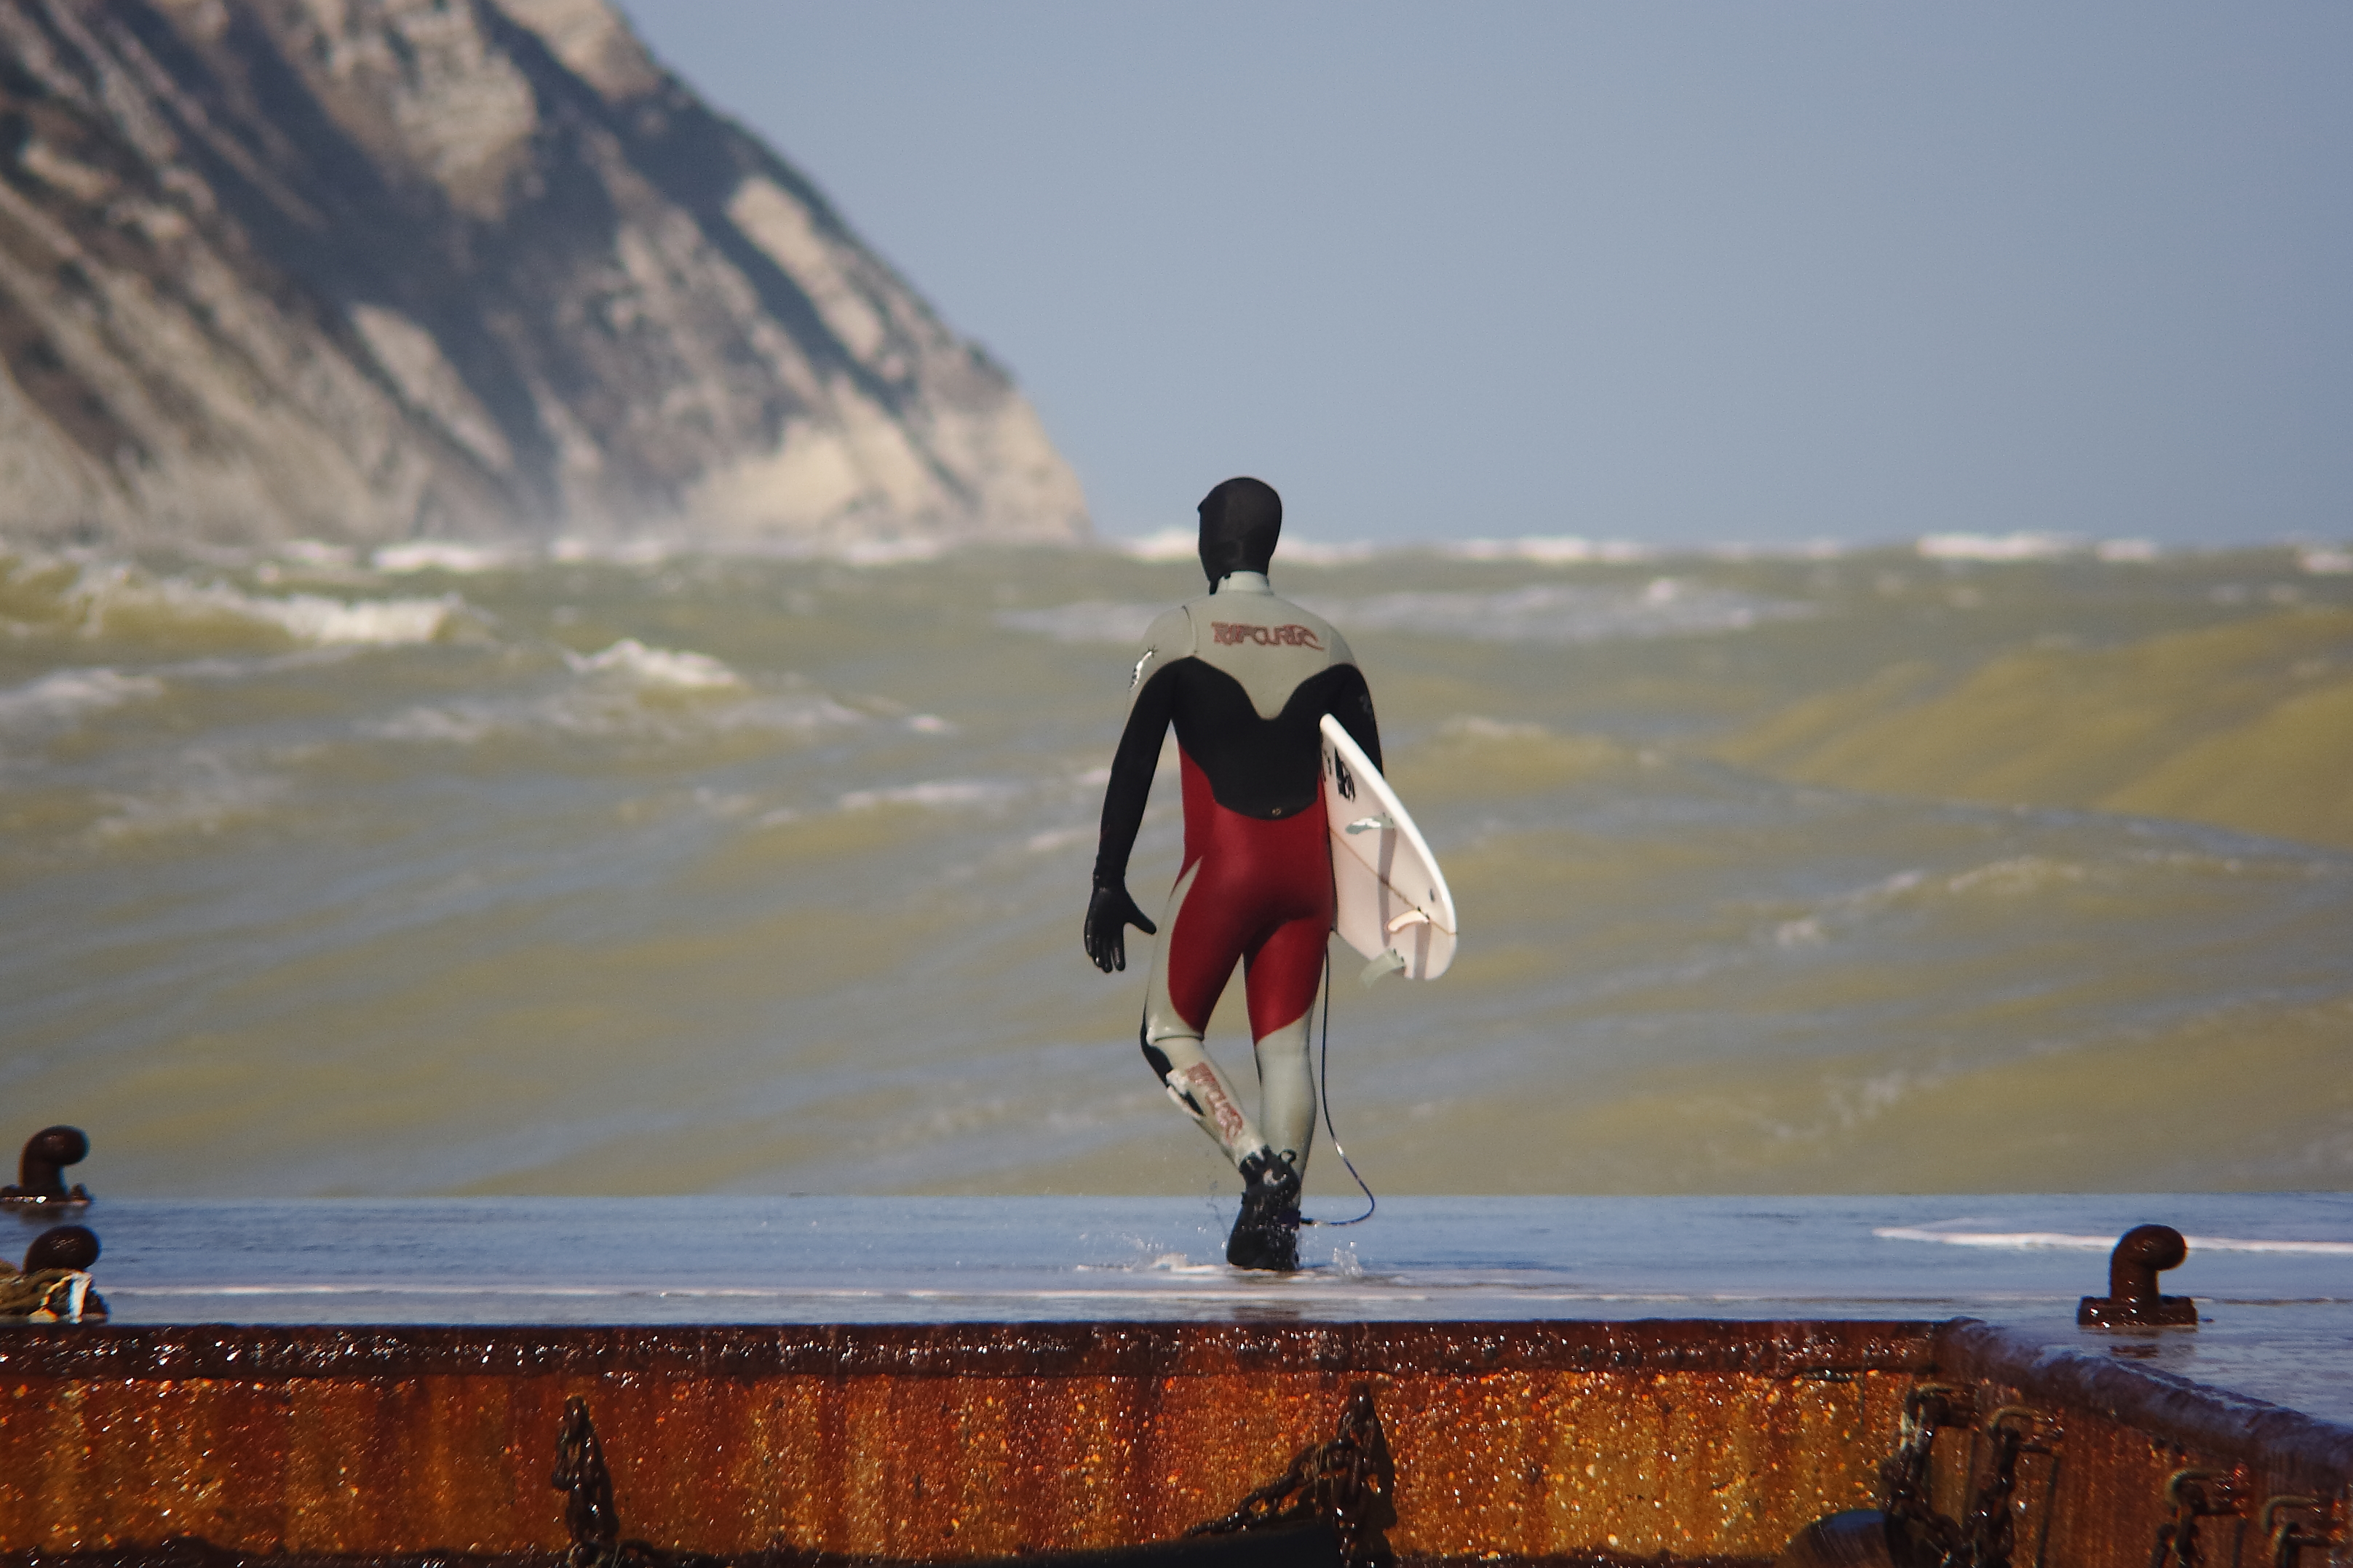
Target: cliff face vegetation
(373, 270)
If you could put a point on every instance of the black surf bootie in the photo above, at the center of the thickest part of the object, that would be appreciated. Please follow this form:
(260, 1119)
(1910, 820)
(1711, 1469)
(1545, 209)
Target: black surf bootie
(1266, 1233)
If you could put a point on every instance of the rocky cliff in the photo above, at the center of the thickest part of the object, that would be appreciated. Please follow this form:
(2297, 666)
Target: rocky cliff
(376, 269)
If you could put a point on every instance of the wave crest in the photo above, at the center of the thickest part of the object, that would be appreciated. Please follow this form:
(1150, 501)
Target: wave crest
(660, 667)
(63, 696)
(119, 601)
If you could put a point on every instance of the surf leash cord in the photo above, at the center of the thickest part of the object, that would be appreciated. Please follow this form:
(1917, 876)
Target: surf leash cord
(1323, 1089)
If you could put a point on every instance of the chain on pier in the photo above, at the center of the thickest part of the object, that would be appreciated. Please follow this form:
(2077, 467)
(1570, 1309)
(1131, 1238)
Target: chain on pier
(1904, 1476)
(1349, 1481)
(1923, 1536)
(1988, 1534)
(589, 1516)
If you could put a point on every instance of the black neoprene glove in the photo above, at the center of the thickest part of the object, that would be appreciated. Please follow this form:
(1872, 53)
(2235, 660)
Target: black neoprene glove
(1110, 911)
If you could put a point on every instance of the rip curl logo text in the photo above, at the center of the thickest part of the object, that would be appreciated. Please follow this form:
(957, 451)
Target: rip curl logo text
(1228, 632)
(1222, 1110)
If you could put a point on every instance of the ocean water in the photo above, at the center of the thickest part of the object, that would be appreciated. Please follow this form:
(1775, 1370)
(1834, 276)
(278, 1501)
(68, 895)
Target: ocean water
(1968, 866)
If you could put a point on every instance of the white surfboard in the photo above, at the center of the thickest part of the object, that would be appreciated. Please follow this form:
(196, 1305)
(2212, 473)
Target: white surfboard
(1394, 905)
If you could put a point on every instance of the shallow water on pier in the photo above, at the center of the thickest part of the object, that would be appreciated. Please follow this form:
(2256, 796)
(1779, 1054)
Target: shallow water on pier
(2273, 1273)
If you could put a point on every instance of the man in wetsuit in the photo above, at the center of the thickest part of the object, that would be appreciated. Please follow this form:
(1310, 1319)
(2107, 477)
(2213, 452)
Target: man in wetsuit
(1246, 677)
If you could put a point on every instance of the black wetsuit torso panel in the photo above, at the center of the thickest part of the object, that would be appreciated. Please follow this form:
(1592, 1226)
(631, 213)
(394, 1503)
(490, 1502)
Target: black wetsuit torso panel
(1257, 765)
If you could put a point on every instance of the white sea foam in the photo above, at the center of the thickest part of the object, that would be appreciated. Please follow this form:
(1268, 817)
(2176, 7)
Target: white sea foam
(371, 623)
(1546, 613)
(63, 696)
(1473, 727)
(654, 551)
(1332, 551)
(2321, 561)
(119, 599)
(1791, 935)
(1158, 1263)
(1564, 613)
(1182, 544)
(1086, 621)
(1549, 550)
(798, 712)
(629, 689)
(2139, 550)
(885, 552)
(633, 660)
(2016, 875)
(935, 795)
(1837, 911)
(1999, 546)
(623, 714)
(2034, 1239)
(1775, 550)
(616, 553)
(462, 725)
(207, 792)
(1163, 544)
(724, 803)
(443, 556)
(2012, 877)
(317, 553)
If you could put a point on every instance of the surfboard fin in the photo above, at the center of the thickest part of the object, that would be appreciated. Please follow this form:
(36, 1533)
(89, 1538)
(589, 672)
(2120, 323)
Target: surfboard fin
(1391, 961)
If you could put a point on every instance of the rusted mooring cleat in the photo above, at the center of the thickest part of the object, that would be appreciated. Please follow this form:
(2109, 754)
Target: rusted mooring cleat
(54, 1285)
(2290, 1537)
(71, 1247)
(39, 1181)
(2133, 1299)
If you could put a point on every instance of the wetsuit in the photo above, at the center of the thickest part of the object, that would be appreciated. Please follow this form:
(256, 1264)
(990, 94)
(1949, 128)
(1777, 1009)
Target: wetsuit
(1245, 677)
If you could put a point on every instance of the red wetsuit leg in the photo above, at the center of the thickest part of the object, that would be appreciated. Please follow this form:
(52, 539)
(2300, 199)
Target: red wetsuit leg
(1262, 891)
(1283, 975)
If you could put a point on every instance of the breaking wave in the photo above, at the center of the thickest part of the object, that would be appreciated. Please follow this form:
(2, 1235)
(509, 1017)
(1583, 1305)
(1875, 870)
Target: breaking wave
(1566, 612)
(1087, 621)
(441, 556)
(126, 601)
(61, 697)
(202, 792)
(632, 659)
(590, 712)
(935, 795)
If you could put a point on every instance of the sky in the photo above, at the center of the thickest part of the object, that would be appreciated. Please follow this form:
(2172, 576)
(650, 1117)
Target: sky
(1684, 273)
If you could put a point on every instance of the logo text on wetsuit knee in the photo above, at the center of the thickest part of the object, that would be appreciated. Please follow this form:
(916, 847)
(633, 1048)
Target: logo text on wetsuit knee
(1266, 637)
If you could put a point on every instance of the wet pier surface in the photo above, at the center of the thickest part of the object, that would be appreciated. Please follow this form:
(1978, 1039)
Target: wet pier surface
(2272, 1274)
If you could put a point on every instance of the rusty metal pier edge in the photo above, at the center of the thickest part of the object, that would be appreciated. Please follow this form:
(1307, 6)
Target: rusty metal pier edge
(1663, 1442)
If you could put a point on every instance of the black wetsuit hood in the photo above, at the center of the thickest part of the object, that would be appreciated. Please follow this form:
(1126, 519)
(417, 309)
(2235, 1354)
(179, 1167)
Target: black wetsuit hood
(1241, 521)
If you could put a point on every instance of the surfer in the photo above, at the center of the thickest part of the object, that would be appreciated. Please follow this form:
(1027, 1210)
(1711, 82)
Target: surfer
(1246, 677)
